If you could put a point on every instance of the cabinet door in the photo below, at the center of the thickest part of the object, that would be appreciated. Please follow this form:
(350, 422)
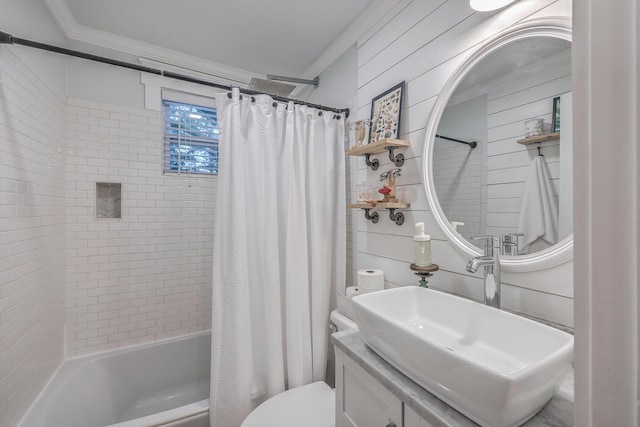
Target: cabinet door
(412, 419)
(361, 401)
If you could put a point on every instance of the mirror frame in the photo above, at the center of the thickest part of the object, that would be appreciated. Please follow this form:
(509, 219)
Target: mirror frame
(557, 254)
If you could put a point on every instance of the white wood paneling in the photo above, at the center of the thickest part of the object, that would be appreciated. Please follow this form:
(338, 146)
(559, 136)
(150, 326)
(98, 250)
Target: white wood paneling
(427, 29)
(453, 44)
(396, 272)
(395, 247)
(424, 51)
(522, 158)
(537, 91)
(504, 205)
(460, 284)
(387, 227)
(515, 174)
(411, 15)
(557, 280)
(382, 23)
(538, 304)
(507, 145)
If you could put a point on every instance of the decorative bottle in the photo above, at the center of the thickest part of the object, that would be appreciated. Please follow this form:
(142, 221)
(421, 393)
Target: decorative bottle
(422, 245)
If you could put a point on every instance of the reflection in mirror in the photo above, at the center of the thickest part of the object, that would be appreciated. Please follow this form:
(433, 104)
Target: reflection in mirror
(503, 187)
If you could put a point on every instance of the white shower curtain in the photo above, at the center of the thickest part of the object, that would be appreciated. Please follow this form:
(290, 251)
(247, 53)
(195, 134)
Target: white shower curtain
(278, 251)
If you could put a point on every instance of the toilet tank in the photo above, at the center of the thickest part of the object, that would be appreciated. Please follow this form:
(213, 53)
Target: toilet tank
(341, 322)
(337, 322)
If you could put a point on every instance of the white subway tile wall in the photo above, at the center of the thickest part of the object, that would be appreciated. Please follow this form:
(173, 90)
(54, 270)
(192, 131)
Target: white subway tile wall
(146, 276)
(31, 235)
(422, 43)
(457, 169)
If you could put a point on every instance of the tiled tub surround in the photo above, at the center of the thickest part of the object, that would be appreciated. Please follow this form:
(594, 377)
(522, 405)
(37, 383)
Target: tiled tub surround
(146, 276)
(31, 234)
(557, 413)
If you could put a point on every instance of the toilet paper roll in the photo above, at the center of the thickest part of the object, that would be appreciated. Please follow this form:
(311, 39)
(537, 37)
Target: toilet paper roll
(352, 291)
(370, 280)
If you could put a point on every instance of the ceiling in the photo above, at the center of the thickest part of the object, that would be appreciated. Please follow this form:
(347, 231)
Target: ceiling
(262, 37)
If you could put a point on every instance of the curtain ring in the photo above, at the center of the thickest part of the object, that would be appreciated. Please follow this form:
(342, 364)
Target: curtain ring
(229, 95)
(253, 99)
(274, 105)
(319, 113)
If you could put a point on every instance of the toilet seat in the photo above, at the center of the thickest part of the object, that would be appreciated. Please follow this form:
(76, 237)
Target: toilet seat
(311, 405)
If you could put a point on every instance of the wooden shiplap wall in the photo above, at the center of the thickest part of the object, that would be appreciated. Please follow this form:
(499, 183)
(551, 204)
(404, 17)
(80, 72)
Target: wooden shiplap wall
(422, 42)
(503, 104)
(509, 106)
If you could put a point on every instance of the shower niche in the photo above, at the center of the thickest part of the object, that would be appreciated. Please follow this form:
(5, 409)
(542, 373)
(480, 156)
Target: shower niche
(108, 200)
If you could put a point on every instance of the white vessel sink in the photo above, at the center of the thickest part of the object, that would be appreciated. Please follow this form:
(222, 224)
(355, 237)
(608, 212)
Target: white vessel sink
(497, 368)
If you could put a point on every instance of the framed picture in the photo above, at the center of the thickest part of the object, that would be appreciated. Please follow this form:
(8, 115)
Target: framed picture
(555, 123)
(385, 114)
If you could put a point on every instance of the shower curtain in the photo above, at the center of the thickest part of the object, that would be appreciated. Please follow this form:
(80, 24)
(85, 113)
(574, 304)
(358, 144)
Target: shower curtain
(278, 250)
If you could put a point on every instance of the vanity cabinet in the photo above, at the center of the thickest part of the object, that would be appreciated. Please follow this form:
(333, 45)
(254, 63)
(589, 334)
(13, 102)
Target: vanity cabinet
(372, 393)
(361, 401)
(412, 419)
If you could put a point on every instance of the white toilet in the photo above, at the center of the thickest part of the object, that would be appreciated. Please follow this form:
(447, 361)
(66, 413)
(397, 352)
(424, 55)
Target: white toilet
(311, 405)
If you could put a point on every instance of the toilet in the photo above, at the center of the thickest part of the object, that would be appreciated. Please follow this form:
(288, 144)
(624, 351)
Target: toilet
(311, 405)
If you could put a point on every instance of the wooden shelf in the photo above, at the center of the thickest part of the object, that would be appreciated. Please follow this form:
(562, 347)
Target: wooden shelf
(379, 205)
(430, 269)
(378, 147)
(397, 217)
(539, 138)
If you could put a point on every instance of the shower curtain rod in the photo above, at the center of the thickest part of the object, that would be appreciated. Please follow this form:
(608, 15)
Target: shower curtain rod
(472, 144)
(6, 38)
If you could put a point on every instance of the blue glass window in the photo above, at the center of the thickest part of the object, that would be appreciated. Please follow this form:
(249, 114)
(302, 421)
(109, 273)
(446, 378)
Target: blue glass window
(190, 138)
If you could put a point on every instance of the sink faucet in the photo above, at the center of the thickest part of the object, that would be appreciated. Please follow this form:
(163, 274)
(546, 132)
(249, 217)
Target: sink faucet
(491, 263)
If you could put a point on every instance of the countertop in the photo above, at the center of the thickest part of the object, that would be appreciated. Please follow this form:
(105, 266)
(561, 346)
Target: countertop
(558, 412)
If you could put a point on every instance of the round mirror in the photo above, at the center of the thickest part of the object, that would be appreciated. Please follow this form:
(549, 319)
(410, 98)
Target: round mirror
(498, 150)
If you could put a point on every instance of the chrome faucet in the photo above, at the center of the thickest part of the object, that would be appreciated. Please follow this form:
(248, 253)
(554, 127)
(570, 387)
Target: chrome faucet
(492, 271)
(510, 243)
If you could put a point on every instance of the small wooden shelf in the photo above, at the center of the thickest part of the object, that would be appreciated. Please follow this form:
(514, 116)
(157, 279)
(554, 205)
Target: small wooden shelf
(378, 147)
(424, 273)
(397, 217)
(379, 205)
(429, 269)
(539, 138)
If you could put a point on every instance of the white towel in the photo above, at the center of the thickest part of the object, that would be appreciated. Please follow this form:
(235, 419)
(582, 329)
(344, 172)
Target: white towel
(539, 210)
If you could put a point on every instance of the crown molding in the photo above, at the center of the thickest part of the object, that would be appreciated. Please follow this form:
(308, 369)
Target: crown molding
(66, 21)
(61, 13)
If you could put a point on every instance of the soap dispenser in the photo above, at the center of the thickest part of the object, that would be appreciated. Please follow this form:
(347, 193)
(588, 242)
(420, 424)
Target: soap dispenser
(422, 245)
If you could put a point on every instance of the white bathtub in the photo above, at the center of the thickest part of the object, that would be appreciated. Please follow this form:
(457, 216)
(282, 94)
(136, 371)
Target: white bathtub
(159, 384)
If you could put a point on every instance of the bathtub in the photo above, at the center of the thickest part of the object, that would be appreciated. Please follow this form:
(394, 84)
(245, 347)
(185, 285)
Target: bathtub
(160, 384)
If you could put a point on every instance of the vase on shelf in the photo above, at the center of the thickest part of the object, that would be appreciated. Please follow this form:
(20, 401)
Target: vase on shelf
(357, 132)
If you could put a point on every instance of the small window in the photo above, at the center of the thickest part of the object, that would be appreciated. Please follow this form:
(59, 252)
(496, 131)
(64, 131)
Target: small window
(190, 137)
